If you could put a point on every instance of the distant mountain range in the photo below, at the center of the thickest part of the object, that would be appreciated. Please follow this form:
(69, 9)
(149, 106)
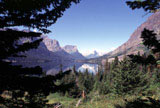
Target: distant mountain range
(93, 55)
(50, 50)
(133, 45)
(73, 50)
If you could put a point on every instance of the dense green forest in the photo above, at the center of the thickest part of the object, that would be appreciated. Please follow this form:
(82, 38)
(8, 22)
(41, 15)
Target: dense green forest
(125, 82)
(133, 82)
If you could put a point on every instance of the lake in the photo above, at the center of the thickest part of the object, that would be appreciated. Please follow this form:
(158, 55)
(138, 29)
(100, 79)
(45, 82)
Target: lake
(93, 68)
(51, 68)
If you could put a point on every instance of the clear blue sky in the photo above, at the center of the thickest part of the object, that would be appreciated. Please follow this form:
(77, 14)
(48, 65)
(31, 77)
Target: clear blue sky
(97, 25)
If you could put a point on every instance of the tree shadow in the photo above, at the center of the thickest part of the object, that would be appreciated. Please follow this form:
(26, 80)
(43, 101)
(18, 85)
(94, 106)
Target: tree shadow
(141, 103)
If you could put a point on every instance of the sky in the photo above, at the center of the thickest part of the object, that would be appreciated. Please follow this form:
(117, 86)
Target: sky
(100, 25)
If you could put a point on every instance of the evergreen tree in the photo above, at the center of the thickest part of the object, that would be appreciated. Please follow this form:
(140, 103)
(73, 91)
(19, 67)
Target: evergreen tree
(86, 81)
(74, 70)
(27, 86)
(148, 36)
(106, 67)
(72, 81)
(103, 84)
(61, 69)
(150, 6)
(113, 65)
(156, 76)
(98, 79)
(116, 61)
(128, 79)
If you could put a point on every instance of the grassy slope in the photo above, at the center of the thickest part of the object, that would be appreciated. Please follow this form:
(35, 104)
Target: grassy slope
(102, 101)
(96, 102)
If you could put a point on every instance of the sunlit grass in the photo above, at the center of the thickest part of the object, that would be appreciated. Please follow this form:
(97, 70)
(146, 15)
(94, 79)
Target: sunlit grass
(94, 100)
(65, 101)
(100, 102)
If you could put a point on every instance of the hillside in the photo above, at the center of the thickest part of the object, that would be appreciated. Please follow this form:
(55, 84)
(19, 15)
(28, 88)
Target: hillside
(73, 51)
(133, 45)
(49, 50)
(93, 55)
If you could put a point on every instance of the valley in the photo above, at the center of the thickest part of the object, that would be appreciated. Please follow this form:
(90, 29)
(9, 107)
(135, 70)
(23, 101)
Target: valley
(79, 54)
(51, 51)
(50, 55)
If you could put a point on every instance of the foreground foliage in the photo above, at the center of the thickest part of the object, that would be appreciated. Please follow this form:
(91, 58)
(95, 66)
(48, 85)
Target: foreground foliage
(19, 86)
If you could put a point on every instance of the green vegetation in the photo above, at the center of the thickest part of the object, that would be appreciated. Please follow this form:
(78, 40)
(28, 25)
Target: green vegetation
(64, 100)
(26, 87)
(116, 85)
(133, 82)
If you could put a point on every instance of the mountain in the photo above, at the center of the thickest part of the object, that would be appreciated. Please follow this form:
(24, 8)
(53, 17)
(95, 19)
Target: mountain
(49, 50)
(93, 55)
(72, 50)
(68, 51)
(51, 44)
(49, 55)
(133, 45)
(54, 46)
(35, 57)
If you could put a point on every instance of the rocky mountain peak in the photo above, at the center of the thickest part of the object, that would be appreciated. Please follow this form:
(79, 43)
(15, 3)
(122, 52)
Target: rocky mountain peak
(70, 49)
(133, 45)
(52, 45)
(73, 50)
(94, 54)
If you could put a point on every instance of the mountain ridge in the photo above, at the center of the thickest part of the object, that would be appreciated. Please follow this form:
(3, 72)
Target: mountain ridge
(49, 50)
(73, 50)
(133, 45)
(93, 55)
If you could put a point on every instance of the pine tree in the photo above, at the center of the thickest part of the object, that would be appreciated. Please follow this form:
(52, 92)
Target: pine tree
(113, 65)
(156, 76)
(149, 37)
(150, 6)
(106, 67)
(88, 81)
(98, 79)
(116, 61)
(74, 70)
(27, 86)
(70, 80)
(128, 79)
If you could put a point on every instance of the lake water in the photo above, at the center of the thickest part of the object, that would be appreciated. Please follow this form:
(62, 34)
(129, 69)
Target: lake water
(51, 68)
(93, 68)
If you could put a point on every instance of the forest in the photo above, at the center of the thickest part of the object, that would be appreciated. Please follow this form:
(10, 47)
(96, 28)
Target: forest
(133, 82)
